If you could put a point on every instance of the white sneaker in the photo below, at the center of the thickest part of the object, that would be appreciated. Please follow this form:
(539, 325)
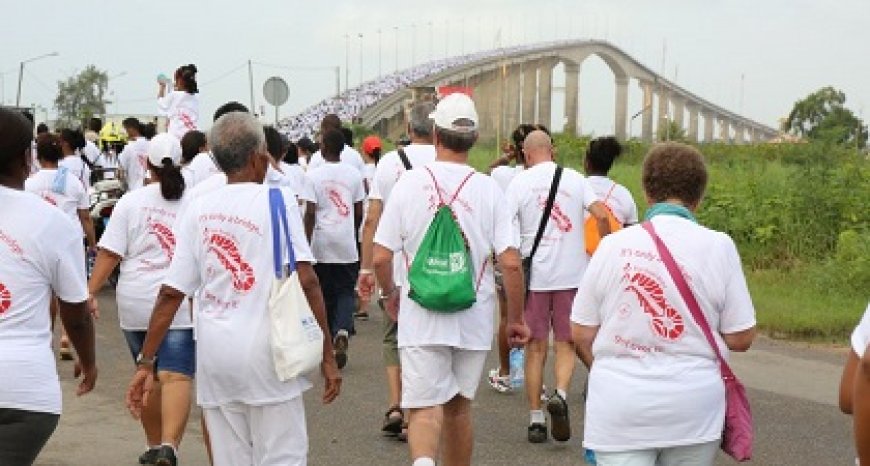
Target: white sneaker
(499, 383)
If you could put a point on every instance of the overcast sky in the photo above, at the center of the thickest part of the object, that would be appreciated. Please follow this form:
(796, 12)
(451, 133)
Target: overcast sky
(784, 48)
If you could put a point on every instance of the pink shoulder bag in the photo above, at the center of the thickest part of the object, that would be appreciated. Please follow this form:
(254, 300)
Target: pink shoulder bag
(738, 433)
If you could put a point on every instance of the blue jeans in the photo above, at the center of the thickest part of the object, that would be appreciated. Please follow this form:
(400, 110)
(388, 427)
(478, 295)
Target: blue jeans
(177, 351)
(337, 281)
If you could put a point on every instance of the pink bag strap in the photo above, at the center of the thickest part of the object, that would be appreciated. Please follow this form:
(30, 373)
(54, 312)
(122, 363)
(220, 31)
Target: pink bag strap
(688, 297)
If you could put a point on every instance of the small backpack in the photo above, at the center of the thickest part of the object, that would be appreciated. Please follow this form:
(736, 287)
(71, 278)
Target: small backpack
(590, 226)
(440, 275)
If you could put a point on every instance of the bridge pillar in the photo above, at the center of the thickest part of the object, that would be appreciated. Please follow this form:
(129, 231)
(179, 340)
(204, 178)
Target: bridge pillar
(486, 98)
(647, 111)
(724, 130)
(512, 94)
(664, 106)
(693, 123)
(621, 114)
(545, 92)
(572, 96)
(739, 133)
(679, 110)
(530, 91)
(709, 122)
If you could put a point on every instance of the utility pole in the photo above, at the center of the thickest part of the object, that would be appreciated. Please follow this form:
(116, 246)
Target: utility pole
(360, 58)
(338, 81)
(251, 83)
(346, 62)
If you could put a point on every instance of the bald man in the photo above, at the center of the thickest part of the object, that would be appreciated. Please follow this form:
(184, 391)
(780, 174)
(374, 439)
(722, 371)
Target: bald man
(557, 265)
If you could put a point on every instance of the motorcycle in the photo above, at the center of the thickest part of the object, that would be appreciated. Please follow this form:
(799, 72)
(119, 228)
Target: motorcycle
(106, 191)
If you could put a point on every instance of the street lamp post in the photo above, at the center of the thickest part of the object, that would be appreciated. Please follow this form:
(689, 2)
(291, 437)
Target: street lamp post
(396, 30)
(112, 92)
(360, 58)
(21, 73)
(346, 62)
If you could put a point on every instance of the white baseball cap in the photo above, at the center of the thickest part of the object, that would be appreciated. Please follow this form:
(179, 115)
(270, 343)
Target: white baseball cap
(164, 146)
(455, 107)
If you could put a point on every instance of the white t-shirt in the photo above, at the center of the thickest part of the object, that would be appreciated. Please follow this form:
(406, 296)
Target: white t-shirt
(77, 167)
(486, 224)
(616, 197)
(504, 174)
(390, 168)
(202, 166)
(224, 250)
(348, 155)
(275, 178)
(140, 231)
(561, 257)
(655, 382)
(182, 109)
(335, 188)
(134, 161)
(72, 198)
(298, 180)
(368, 174)
(92, 152)
(861, 335)
(42, 252)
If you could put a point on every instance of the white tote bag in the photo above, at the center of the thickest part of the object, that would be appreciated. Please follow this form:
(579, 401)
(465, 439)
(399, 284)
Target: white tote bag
(296, 338)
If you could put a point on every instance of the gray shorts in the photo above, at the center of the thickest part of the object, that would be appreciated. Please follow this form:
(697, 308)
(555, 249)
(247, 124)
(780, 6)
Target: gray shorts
(23, 434)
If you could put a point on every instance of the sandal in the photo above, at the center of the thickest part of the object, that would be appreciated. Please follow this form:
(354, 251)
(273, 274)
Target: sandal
(403, 435)
(393, 421)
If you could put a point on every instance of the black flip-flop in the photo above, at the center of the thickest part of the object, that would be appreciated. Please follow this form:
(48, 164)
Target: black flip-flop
(393, 424)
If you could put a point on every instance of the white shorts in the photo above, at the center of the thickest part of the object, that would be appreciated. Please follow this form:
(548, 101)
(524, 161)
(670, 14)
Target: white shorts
(266, 435)
(434, 375)
(701, 454)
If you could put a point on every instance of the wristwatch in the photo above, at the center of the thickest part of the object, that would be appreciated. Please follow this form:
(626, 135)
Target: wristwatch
(147, 362)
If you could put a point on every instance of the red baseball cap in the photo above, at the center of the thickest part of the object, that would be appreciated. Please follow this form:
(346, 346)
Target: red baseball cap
(370, 143)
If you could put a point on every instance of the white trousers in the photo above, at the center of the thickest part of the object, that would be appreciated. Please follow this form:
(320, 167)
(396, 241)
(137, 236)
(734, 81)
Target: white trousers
(268, 435)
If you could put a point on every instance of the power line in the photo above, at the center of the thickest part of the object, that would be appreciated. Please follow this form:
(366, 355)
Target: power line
(225, 75)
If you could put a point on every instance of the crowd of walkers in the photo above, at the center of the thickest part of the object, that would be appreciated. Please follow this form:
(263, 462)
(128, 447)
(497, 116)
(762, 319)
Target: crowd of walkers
(650, 306)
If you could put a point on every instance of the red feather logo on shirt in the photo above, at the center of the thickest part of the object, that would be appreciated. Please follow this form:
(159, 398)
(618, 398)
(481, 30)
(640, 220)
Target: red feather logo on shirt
(228, 254)
(665, 321)
(164, 237)
(5, 299)
(563, 223)
(340, 206)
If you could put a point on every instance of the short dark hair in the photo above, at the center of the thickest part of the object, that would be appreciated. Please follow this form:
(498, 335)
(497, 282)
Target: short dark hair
(148, 130)
(292, 154)
(48, 147)
(191, 143)
(274, 143)
(330, 121)
(601, 153)
(348, 136)
(41, 128)
(228, 107)
(15, 139)
(73, 137)
(455, 140)
(674, 171)
(132, 123)
(332, 143)
(307, 145)
(95, 124)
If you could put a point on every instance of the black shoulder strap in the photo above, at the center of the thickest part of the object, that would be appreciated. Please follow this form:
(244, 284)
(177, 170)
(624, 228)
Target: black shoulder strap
(548, 208)
(404, 157)
(86, 161)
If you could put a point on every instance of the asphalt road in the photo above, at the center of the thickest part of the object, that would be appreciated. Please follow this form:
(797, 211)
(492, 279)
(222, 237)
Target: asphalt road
(792, 389)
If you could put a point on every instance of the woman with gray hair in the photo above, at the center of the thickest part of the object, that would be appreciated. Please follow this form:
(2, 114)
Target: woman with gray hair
(252, 416)
(656, 394)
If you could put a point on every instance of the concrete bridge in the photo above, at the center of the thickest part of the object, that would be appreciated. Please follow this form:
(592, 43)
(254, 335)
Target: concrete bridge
(516, 86)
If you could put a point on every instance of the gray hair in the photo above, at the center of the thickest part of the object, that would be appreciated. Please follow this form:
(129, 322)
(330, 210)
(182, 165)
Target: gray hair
(233, 138)
(421, 124)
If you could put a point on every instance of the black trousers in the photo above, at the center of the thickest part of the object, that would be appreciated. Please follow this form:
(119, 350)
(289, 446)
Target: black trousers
(23, 434)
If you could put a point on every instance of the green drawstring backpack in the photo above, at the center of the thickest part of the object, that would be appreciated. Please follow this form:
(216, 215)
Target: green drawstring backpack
(440, 275)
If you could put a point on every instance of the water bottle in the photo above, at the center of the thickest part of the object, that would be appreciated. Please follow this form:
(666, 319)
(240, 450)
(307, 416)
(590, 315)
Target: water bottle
(589, 455)
(517, 367)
